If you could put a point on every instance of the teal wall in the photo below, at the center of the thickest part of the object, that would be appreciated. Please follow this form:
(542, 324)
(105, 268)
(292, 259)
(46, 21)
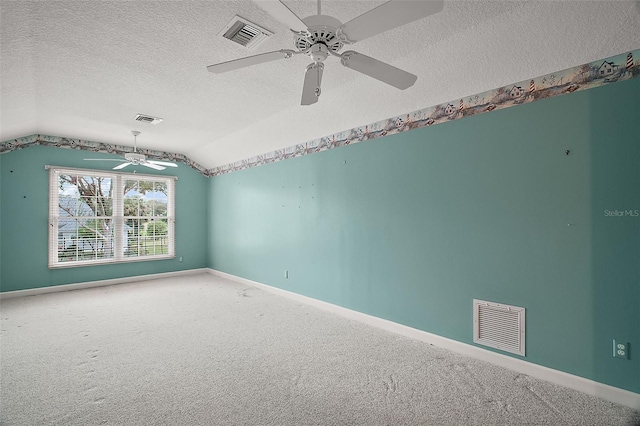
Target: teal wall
(414, 226)
(1, 224)
(25, 211)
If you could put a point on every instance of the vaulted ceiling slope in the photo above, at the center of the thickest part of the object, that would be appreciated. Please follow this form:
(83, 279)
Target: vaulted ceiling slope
(84, 69)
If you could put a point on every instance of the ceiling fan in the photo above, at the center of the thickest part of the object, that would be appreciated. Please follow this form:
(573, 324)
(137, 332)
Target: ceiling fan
(321, 35)
(136, 158)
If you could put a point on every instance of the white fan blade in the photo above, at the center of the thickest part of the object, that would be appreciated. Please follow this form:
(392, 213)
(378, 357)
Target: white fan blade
(249, 61)
(378, 70)
(152, 166)
(387, 16)
(282, 13)
(121, 166)
(102, 159)
(312, 81)
(162, 163)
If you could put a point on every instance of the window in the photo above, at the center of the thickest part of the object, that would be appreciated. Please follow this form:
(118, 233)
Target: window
(102, 217)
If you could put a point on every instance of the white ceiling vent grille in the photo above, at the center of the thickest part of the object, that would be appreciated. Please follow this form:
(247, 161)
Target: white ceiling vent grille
(147, 119)
(244, 33)
(499, 326)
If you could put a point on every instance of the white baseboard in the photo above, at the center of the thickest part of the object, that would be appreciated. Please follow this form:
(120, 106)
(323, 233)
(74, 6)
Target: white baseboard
(590, 387)
(101, 283)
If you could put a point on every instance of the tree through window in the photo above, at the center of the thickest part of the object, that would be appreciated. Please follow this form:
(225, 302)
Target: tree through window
(99, 217)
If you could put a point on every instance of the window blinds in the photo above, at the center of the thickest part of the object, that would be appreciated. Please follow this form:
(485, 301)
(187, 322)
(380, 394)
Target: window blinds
(106, 217)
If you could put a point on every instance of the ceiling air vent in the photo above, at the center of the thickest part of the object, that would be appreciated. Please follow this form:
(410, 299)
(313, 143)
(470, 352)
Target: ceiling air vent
(147, 119)
(244, 32)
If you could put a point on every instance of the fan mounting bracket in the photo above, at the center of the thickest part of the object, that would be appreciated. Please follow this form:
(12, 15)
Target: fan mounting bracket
(341, 36)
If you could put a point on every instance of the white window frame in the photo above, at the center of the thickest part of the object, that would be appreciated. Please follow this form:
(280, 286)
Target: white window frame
(117, 216)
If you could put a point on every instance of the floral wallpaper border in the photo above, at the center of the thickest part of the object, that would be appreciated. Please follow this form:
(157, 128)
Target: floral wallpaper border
(594, 74)
(61, 142)
(587, 76)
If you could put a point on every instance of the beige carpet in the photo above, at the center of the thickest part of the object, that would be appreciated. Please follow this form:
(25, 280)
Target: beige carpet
(202, 350)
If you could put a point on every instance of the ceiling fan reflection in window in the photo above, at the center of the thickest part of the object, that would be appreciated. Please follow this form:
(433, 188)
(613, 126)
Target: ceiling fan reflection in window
(320, 36)
(135, 158)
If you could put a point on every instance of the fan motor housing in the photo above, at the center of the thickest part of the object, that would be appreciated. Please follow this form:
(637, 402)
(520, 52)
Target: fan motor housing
(134, 157)
(322, 29)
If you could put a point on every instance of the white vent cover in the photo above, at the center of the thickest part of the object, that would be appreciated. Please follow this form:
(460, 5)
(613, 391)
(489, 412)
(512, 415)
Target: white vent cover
(147, 119)
(244, 33)
(499, 326)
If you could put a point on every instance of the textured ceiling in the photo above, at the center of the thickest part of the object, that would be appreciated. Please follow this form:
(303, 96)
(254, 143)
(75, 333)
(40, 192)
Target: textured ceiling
(84, 69)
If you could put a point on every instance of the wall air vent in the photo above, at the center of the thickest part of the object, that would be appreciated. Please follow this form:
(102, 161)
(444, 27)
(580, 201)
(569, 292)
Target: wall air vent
(244, 32)
(499, 326)
(147, 119)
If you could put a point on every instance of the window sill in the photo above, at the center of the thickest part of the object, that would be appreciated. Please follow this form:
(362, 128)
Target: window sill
(82, 263)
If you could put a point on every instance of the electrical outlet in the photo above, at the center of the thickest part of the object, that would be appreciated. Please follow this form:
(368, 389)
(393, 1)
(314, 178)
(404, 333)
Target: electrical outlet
(620, 349)
(286, 273)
